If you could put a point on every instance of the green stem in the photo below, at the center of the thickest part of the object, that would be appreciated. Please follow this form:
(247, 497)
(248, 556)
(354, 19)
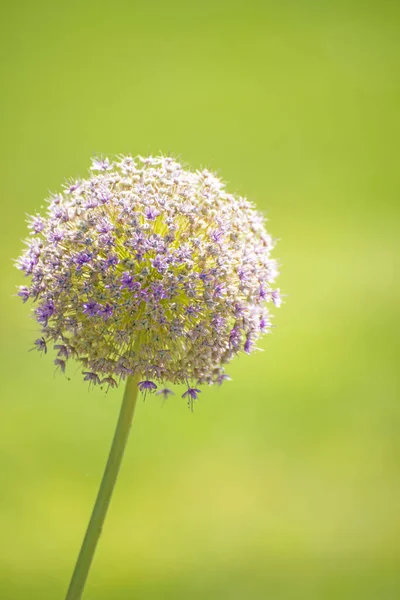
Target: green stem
(105, 492)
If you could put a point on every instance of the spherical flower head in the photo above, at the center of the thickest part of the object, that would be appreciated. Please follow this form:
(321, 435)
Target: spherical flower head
(147, 268)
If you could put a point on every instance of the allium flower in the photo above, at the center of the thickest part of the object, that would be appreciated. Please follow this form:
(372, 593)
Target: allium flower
(146, 271)
(150, 269)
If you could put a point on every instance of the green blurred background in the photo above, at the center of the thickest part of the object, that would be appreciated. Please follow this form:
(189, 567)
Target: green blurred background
(285, 482)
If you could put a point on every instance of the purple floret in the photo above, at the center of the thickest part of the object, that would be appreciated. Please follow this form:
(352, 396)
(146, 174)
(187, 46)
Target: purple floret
(91, 308)
(165, 392)
(100, 164)
(234, 336)
(44, 312)
(37, 224)
(151, 213)
(23, 293)
(56, 236)
(219, 290)
(82, 259)
(62, 350)
(191, 393)
(40, 345)
(126, 280)
(276, 298)
(61, 364)
(112, 260)
(91, 377)
(27, 264)
(222, 378)
(147, 385)
(263, 293)
(107, 311)
(110, 381)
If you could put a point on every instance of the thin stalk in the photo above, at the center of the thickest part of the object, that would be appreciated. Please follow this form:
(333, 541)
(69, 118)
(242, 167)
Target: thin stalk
(105, 492)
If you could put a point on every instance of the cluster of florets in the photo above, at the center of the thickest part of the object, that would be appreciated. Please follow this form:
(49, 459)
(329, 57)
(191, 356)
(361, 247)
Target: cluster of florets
(147, 268)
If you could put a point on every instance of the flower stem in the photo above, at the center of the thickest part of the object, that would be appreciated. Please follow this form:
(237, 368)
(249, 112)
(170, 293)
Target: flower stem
(105, 492)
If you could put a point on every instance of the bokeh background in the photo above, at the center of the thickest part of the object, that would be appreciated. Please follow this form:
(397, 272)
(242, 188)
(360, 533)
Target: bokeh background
(285, 482)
